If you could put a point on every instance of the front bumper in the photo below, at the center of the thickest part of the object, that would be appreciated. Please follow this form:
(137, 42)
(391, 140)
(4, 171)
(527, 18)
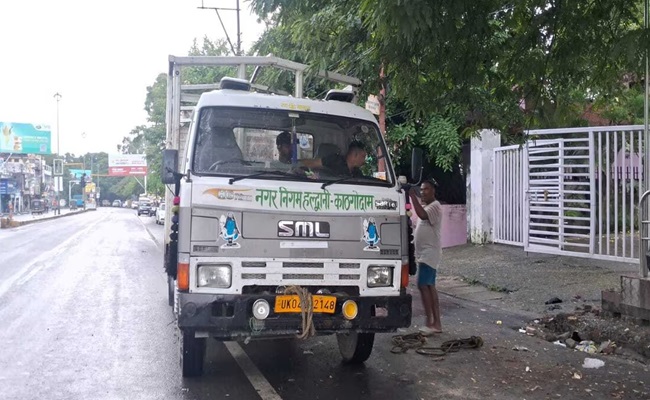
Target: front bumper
(230, 316)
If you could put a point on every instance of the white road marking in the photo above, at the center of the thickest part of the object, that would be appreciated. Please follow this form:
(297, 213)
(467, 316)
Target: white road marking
(41, 262)
(255, 377)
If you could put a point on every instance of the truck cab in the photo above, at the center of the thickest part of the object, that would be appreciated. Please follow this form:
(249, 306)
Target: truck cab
(287, 220)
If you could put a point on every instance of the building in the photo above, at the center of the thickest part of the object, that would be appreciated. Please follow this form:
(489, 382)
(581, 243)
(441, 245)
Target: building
(24, 177)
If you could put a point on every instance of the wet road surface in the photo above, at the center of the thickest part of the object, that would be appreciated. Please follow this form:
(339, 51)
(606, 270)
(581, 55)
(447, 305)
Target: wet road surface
(84, 315)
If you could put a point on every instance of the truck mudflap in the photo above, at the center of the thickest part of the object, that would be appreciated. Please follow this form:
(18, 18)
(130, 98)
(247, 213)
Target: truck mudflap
(231, 316)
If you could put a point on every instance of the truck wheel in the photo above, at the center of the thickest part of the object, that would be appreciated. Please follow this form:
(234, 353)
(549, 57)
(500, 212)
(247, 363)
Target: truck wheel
(171, 288)
(355, 347)
(192, 354)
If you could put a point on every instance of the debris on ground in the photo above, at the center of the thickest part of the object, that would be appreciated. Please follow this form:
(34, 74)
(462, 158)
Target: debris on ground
(588, 331)
(554, 300)
(587, 346)
(593, 363)
(520, 348)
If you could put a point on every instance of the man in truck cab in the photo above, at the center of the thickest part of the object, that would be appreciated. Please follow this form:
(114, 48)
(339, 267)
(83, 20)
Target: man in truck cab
(348, 165)
(283, 143)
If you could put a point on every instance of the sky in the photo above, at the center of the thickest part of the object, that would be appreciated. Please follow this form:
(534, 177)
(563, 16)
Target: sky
(100, 56)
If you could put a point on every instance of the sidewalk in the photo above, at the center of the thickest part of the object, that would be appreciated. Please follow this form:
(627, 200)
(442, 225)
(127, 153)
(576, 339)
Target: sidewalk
(509, 278)
(28, 218)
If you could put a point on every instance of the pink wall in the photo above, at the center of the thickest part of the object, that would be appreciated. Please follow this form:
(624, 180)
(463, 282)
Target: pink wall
(454, 225)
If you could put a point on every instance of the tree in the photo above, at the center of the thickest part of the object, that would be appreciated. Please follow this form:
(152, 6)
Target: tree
(456, 66)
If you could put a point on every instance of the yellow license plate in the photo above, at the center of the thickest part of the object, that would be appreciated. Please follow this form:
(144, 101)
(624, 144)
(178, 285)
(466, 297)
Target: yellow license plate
(291, 304)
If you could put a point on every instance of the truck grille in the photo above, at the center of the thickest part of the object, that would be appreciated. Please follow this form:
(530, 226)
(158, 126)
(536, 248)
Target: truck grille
(302, 265)
(306, 273)
(253, 276)
(253, 264)
(303, 276)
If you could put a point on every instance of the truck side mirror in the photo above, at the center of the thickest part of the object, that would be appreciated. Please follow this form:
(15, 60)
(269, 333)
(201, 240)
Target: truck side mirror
(416, 165)
(169, 166)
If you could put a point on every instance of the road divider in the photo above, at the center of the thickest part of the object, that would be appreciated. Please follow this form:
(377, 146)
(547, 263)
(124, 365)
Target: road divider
(6, 223)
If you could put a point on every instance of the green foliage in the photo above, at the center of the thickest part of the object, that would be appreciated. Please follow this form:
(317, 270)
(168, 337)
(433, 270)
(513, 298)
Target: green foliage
(438, 135)
(483, 59)
(195, 75)
(626, 108)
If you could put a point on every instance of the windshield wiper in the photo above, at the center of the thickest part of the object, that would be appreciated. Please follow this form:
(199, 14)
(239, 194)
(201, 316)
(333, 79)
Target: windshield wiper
(347, 178)
(261, 173)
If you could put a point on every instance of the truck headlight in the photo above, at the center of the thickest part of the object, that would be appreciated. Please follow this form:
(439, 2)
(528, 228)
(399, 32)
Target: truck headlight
(380, 276)
(215, 275)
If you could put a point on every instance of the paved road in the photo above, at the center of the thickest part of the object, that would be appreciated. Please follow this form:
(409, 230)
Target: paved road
(84, 316)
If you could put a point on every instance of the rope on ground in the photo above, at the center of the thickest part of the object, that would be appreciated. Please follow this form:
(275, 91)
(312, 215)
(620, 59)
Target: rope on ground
(417, 341)
(306, 310)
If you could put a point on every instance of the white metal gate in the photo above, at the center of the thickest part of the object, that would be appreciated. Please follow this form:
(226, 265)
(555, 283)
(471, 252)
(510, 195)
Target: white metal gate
(577, 192)
(508, 188)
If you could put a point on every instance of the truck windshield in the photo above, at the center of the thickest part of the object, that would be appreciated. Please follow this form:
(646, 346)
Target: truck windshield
(237, 142)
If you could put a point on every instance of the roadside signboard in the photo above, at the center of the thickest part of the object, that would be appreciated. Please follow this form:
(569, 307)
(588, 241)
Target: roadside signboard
(127, 164)
(372, 104)
(22, 138)
(76, 173)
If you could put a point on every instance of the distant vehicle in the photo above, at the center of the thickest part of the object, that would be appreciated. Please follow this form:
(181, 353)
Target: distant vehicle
(117, 203)
(160, 214)
(106, 203)
(134, 204)
(91, 204)
(77, 198)
(144, 207)
(38, 206)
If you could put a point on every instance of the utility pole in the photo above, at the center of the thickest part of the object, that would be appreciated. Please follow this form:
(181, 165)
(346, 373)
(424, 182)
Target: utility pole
(646, 138)
(235, 51)
(238, 31)
(57, 96)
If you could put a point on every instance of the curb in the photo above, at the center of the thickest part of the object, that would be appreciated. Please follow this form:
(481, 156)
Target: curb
(16, 224)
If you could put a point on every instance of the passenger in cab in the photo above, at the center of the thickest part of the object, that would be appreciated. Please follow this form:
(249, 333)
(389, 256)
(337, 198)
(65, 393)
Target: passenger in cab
(348, 165)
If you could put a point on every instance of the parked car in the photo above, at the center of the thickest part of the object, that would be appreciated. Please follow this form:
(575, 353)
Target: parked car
(117, 203)
(144, 207)
(160, 214)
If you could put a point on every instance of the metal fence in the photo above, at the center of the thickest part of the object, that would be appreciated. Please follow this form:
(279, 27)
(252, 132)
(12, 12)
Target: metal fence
(571, 191)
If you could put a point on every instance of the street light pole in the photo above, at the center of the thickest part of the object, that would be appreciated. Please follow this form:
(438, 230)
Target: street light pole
(57, 96)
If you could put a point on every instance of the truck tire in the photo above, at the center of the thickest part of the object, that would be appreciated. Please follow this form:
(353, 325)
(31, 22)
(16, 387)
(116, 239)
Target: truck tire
(355, 348)
(192, 354)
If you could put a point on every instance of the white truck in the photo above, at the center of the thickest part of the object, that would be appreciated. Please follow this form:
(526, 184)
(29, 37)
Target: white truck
(286, 216)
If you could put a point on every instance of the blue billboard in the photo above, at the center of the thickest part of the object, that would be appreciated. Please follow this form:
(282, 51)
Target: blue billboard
(23, 138)
(7, 186)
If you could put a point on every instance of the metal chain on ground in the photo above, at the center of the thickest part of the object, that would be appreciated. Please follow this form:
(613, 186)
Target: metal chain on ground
(306, 310)
(417, 341)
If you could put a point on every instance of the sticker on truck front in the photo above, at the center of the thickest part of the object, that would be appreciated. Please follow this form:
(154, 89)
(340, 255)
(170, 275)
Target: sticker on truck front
(370, 235)
(229, 231)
